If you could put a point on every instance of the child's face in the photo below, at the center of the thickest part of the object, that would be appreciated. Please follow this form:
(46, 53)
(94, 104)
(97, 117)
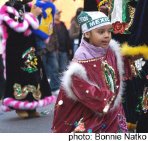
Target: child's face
(100, 37)
(57, 16)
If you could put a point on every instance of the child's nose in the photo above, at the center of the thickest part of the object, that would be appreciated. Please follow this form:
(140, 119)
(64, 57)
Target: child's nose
(107, 34)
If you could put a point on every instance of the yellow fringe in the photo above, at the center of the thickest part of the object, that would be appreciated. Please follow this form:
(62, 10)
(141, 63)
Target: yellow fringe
(101, 3)
(127, 50)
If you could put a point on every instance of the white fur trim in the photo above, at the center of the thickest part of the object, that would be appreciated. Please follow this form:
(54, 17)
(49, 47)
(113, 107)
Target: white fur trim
(12, 10)
(79, 70)
(15, 25)
(32, 20)
(115, 46)
(29, 19)
(10, 102)
(4, 16)
(74, 69)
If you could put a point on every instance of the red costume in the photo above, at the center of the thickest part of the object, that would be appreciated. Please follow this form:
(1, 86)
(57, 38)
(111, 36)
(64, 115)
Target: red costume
(90, 96)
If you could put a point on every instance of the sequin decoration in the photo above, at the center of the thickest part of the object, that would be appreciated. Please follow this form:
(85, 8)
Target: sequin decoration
(103, 126)
(109, 74)
(110, 79)
(89, 131)
(80, 127)
(30, 60)
(122, 124)
(22, 92)
(139, 105)
(131, 14)
(145, 100)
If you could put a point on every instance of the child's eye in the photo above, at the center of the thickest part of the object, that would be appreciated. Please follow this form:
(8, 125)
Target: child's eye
(101, 31)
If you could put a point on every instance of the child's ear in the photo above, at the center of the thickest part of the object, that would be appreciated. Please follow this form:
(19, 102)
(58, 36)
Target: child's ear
(87, 35)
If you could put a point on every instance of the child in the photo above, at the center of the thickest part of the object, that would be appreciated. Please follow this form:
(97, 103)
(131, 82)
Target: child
(90, 96)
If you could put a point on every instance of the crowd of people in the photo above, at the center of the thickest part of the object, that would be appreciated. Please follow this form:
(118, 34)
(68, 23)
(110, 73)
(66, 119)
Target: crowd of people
(96, 71)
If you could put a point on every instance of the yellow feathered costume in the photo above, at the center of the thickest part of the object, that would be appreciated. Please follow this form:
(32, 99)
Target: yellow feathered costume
(141, 50)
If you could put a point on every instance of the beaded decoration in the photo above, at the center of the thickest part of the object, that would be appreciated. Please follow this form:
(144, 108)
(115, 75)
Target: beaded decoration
(109, 74)
(145, 100)
(30, 60)
(122, 124)
(80, 127)
(22, 92)
(110, 79)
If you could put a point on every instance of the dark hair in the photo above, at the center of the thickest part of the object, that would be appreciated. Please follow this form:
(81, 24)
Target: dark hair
(79, 10)
(12, 2)
(86, 39)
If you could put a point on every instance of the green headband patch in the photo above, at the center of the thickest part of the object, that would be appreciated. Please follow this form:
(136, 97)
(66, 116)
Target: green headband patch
(96, 22)
(83, 18)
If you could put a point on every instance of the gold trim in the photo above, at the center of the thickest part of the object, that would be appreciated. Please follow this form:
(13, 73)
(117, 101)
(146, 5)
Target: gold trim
(87, 60)
(22, 92)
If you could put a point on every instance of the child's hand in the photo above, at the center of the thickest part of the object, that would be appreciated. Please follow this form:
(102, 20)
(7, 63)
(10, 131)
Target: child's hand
(36, 11)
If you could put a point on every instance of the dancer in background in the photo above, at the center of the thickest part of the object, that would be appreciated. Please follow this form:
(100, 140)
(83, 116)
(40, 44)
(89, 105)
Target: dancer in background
(75, 32)
(56, 54)
(137, 47)
(27, 87)
(2, 80)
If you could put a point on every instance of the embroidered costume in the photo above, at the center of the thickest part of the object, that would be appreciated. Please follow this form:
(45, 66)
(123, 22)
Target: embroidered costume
(138, 46)
(27, 87)
(91, 92)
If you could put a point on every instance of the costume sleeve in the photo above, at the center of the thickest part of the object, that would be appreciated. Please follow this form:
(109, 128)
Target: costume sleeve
(47, 8)
(48, 11)
(29, 21)
(90, 95)
(40, 34)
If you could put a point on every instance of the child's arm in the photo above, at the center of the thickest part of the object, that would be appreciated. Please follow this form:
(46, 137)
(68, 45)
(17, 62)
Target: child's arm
(90, 95)
(47, 8)
(29, 18)
(47, 12)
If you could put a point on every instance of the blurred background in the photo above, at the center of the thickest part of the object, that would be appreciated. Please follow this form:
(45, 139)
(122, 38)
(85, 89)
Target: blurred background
(68, 8)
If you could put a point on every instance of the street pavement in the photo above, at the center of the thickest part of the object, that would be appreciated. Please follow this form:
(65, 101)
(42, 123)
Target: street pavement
(11, 123)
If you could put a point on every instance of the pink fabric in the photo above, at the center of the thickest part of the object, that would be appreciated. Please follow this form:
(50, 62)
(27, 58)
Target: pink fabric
(9, 21)
(26, 105)
(4, 12)
(19, 25)
(33, 17)
(27, 32)
(17, 105)
(7, 101)
(4, 9)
